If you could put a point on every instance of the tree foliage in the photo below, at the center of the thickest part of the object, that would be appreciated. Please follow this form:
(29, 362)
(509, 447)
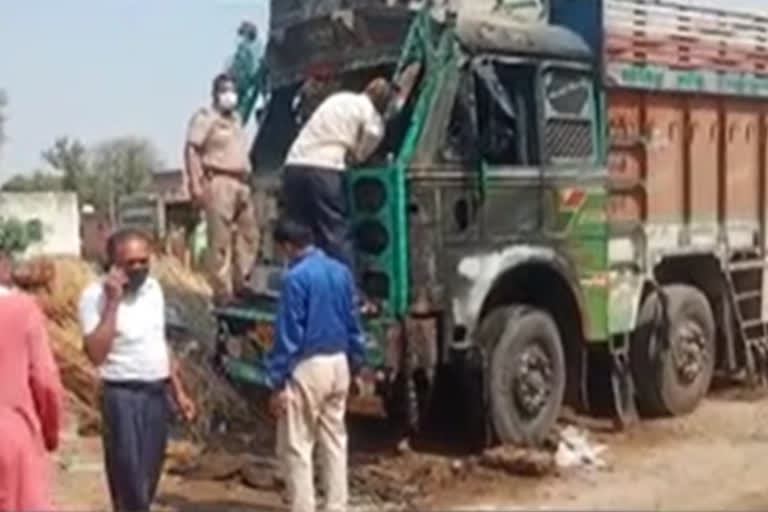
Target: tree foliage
(16, 235)
(99, 175)
(70, 157)
(37, 182)
(124, 166)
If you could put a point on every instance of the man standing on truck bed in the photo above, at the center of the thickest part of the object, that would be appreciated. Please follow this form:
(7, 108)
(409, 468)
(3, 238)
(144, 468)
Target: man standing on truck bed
(217, 172)
(345, 129)
(318, 339)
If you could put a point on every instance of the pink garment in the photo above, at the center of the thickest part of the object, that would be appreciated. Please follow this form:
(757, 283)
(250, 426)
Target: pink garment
(30, 404)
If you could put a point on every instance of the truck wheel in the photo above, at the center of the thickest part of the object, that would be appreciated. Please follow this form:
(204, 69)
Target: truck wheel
(527, 373)
(673, 363)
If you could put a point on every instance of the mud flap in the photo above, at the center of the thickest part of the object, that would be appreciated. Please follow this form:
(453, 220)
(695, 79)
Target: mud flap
(622, 384)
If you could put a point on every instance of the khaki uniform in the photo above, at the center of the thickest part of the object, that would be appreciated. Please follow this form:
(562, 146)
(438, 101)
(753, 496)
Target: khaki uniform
(233, 232)
(316, 408)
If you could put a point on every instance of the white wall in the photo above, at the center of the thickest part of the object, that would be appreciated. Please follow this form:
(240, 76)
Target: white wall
(57, 211)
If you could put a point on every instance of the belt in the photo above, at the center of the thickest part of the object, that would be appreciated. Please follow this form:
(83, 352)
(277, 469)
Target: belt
(322, 350)
(238, 175)
(138, 385)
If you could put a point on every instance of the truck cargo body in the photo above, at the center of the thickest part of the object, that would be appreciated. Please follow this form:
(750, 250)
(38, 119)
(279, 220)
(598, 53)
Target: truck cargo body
(687, 111)
(689, 167)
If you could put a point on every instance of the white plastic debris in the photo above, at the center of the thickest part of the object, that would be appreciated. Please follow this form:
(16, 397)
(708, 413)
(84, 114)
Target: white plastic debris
(575, 451)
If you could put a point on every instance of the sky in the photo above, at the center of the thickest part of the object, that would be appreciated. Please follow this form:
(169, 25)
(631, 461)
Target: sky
(96, 69)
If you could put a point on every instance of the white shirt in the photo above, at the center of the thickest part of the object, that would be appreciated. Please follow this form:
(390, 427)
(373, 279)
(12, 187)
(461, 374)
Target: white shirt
(139, 350)
(346, 123)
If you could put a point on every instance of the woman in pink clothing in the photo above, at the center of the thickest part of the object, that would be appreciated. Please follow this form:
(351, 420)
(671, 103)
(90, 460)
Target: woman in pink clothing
(30, 400)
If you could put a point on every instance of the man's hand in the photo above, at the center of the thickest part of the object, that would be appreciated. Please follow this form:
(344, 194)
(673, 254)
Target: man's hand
(197, 195)
(187, 406)
(114, 284)
(362, 380)
(278, 402)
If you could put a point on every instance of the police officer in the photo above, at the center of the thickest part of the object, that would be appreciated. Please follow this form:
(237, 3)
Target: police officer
(217, 172)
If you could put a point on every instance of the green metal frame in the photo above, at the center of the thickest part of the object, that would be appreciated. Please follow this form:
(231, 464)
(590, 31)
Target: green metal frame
(437, 58)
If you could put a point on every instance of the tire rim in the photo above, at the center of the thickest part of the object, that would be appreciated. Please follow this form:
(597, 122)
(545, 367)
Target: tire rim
(532, 382)
(689, 351)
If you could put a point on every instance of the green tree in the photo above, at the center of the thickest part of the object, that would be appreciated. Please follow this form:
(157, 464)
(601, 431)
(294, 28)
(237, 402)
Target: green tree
(70, 157)
(122, 166)
(99, 175)
(16, 236)
(38, 182)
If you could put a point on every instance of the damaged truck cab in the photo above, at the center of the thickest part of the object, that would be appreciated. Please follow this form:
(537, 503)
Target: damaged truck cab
(506, 216)
(518, 272)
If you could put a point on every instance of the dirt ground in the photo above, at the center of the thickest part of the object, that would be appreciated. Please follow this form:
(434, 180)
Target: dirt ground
(717, 458)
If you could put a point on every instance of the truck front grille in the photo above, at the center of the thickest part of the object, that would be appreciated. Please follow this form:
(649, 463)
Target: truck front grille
(569, 138)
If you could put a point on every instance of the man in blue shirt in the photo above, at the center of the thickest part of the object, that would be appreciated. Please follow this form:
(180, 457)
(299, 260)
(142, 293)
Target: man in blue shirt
(318, 344)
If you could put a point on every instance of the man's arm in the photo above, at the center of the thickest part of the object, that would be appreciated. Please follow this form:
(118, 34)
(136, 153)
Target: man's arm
(356, 336)
(371, 134)
(289, 332)
(44, 379)
(187, 406)
(197, 133)
(99, 326)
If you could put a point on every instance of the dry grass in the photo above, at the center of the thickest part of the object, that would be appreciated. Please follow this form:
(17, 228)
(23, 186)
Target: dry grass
(189, 293)
(58, 297)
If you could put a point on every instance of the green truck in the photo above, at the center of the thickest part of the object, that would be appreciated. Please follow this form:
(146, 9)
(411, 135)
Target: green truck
(570, 210)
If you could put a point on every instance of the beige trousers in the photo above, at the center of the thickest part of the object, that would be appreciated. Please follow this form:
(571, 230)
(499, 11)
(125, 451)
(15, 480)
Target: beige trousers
(233, 233)
(315, 413)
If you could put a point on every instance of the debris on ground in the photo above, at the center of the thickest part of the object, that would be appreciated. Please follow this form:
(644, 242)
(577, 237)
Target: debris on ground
(254, 471)
(575, 451)
(519, 461)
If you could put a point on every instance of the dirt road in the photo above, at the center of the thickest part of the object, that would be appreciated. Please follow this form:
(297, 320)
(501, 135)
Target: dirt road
(716, 458)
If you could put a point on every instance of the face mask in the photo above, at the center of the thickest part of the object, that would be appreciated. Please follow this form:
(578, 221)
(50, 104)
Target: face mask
(228, 100)
(136, 278)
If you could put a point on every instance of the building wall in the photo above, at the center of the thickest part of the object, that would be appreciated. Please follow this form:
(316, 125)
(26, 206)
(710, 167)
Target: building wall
(170, 185)
(58, 213)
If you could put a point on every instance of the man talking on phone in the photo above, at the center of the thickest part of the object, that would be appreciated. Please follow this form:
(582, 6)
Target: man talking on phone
(123, 322)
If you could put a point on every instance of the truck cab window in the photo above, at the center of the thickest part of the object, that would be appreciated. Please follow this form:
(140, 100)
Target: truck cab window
(506, 113)
(568, 112)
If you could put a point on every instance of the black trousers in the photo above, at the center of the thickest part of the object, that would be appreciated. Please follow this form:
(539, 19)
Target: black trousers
(135, 434)
(315, 197)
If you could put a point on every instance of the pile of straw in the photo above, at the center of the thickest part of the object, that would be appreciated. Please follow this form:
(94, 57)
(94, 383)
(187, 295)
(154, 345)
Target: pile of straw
(58, 296)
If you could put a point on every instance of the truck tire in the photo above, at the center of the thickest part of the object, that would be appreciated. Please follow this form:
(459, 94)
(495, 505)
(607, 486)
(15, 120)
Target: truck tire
(526, 380)
(673, 363)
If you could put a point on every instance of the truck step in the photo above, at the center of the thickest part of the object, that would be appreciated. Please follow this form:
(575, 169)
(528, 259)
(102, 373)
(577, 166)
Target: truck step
(751, 324)
(747, 296)
(757, 342)
(746, 266)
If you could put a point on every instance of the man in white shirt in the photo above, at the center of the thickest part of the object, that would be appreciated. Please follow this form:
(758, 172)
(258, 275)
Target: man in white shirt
(344, 130)
(123, 323)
